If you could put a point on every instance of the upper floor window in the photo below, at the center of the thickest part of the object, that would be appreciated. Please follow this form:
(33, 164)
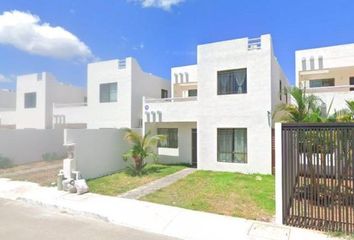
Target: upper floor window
(232, 81)
(351, 82)
(312, 63)
(303, 62)
(320, 62)
(232, 145)
(31, 100)
(322, 83)
(280, 90)
(164, 93)
(192, 92)
(171, 137)
(108, 92)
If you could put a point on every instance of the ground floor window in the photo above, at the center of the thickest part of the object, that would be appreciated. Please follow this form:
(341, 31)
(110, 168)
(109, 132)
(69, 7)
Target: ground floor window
(171, 137)
(232, 145)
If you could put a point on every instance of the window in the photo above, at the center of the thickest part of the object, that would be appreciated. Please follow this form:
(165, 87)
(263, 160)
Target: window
(192, 92)
(312, 63)
(108, 92)
(232, 81)
(351, 82)
(322, 83)
(31, 100)
(280, 90)
(164, 93)
(303, 64)
(171, 137)
(232, 145)
(320, 62)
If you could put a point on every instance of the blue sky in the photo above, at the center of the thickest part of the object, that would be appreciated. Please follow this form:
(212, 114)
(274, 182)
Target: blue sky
(159, 33)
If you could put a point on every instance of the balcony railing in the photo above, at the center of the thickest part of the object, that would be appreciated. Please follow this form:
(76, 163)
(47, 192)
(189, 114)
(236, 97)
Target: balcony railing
(168, 100)
(338, 88)
(66, 105)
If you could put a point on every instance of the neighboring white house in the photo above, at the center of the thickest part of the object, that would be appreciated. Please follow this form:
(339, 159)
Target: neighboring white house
(220, 115)
(114, 96)
(7, 108)
(35, 95)
(328, 73)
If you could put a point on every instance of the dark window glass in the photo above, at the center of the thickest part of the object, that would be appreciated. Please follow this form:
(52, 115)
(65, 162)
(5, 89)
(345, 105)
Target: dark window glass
(164, 93)
(192, 93)
(232, 81)
(171, 137)
(280, 90)
(304, 64)
(31, 100)
(320, 62)
(232, 145)
(351, 82)
(108, 92)
(322, 83)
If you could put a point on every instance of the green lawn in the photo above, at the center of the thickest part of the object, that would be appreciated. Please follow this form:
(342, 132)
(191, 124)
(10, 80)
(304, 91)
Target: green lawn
(123, 181)
(230, 194)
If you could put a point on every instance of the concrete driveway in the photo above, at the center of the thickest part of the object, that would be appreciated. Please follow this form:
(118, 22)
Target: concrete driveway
(21, 221)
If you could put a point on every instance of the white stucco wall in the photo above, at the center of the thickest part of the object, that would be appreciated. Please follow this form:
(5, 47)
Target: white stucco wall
(7, 99)
(98, 152)
(28, 145)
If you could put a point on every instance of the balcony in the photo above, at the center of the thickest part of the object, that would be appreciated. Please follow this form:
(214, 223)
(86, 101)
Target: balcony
(170, 109)
(331, 89)
(70, 114)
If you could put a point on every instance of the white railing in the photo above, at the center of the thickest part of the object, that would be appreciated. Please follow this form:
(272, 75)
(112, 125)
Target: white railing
(168, 100)
(254, 43)
(65, 105)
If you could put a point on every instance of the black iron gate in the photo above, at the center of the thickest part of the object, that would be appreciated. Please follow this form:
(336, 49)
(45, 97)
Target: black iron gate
(318, 176)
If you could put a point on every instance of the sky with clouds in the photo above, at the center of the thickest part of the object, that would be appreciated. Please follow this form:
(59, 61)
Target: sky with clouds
(62, 36)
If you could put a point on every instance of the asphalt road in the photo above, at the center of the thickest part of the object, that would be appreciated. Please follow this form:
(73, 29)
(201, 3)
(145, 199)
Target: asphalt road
(21, 221)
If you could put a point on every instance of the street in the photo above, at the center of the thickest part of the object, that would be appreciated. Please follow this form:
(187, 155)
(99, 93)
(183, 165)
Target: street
(22, 221)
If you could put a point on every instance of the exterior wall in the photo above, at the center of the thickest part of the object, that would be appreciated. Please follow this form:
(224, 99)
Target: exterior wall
(248, 110)
(104, 158)
(7, 99)
(182, 154)
(338, 99)
(29, 145)
(71, 115)
(183, 78)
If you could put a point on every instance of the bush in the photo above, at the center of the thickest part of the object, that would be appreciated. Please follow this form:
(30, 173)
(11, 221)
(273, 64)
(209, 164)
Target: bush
(5, 162)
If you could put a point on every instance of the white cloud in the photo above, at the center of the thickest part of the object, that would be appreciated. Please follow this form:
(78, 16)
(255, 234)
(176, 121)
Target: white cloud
(26, 32)
(4, 79)
(163, 4)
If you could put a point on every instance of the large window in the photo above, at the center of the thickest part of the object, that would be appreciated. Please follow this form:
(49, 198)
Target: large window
(232, 145)
(171, 137)
(108, 92)
(31, 100)
(322, 83)
(192, 92)
(232, 81)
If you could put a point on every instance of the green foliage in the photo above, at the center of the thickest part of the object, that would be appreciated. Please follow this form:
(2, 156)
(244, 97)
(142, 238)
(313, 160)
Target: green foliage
(347, 114)
(5, 162)
(143, 147)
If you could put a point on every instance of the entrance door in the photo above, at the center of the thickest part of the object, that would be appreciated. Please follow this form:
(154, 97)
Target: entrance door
(194, 147)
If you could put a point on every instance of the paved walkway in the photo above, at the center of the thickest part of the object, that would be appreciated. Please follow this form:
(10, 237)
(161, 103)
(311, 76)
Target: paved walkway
(154, 218)
(157, 184)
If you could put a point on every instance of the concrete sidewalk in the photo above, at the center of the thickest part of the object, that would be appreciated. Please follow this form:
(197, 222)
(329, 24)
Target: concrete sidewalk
(150, 217)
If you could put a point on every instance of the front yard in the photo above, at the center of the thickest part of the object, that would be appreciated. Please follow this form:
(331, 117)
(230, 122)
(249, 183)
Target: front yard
(123, 181)
(232, 194)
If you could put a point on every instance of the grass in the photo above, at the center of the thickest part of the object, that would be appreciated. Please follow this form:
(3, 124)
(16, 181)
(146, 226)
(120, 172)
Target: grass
(232, 194)
(122, 182)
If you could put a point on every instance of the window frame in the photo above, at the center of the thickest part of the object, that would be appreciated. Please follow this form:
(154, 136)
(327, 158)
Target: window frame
(102, 98)
(312, 81)
(28, 101)
(232, 82)
(171, 137)
(233, 153)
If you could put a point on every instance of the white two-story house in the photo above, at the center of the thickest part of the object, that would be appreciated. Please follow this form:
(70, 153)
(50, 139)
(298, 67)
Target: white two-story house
(219, 116)
(115, 90)
(328, 73)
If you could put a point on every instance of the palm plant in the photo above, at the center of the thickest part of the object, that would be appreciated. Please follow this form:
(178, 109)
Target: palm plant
(143, 147)
(346, 115)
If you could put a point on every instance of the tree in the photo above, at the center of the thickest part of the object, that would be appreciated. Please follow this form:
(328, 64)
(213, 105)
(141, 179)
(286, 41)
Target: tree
(143, 147)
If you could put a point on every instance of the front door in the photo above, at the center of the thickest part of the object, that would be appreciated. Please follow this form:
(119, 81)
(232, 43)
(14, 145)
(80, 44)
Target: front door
(194, 147)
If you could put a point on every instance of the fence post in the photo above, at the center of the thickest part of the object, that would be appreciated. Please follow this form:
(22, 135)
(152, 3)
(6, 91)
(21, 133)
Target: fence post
(278, 175)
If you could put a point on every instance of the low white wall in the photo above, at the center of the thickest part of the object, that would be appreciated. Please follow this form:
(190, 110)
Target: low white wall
(29, 145)
(98, 152)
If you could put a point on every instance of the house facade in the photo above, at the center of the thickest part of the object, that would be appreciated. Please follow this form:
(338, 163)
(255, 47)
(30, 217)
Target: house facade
(328, 73)
(219, 117)
(115, 89)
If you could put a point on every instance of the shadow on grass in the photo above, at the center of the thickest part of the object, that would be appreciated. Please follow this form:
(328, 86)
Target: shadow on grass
(152, 169)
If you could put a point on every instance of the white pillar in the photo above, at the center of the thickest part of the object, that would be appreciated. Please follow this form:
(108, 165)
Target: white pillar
(278, 174)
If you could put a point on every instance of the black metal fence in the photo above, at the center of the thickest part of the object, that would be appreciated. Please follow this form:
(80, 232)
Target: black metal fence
(318, 176)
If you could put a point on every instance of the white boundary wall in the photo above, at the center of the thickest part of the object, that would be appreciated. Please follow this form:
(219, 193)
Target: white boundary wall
(98, 152)
(29, 145)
